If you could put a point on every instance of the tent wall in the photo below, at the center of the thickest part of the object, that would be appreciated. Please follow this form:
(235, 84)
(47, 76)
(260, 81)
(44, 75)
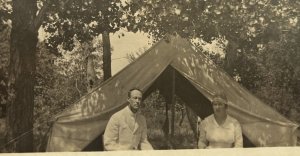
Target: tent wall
(76, 127)
(96, 144)
(191, 97)
(260, 123)
(197, 79)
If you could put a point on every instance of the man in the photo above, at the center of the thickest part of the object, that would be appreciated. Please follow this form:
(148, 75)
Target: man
(127, 129)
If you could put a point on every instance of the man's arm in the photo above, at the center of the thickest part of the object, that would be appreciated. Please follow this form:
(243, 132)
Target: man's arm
(145, 144)
(111, 135)
(238, 143)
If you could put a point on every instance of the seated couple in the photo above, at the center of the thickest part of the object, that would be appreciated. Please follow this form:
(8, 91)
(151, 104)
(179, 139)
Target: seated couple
(127, 129)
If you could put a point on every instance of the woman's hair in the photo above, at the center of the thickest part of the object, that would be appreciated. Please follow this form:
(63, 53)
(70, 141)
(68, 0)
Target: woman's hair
(220, 97)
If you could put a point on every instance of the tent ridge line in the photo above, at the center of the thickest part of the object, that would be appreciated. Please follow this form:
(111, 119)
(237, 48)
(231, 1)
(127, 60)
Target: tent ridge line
(168, 56)
(252, 114)
(227, 75)
(108, 80)
(159, 73)
(262, 118)
(116, 106)
(187, 76)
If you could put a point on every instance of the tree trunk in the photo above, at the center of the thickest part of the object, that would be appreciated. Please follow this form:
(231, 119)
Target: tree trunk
(91, 74)
(106, 55)
(22, 76)
(230, 57)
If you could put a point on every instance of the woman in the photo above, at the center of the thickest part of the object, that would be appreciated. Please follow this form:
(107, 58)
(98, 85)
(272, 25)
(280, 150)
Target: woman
(220, 130)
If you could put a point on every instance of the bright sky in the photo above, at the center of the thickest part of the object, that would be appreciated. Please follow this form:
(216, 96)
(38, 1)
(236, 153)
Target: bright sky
(121, 45)
(130, 43)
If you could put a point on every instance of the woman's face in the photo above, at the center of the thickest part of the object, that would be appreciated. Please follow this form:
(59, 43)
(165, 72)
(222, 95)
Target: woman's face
(219, 107)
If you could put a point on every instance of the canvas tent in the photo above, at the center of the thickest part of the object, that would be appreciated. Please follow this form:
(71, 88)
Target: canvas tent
(170, 62)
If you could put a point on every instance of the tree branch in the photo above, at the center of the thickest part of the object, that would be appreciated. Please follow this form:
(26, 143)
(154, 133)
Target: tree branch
(40, 16)
(76, 85)
(42, 13)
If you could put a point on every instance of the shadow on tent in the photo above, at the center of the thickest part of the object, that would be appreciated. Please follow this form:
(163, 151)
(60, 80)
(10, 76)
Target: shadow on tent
(185, 90)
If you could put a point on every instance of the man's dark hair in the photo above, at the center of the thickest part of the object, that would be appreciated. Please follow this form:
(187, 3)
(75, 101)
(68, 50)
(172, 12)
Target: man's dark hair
(132, 89)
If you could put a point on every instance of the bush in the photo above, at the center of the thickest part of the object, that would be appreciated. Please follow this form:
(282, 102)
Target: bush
(154, 111)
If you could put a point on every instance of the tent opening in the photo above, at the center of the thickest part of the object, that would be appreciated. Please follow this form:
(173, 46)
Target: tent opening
(189, 104)
(177, 71)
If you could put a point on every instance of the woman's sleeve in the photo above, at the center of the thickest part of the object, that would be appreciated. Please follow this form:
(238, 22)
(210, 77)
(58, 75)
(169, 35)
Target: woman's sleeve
(238, 136)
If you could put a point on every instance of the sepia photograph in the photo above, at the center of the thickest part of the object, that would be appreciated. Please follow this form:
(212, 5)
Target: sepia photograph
(150, 77)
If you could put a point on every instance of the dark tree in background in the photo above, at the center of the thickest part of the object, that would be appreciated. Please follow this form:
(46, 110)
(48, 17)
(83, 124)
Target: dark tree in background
(4, 54)
(26, 20)
(27, 17)
(23, 43)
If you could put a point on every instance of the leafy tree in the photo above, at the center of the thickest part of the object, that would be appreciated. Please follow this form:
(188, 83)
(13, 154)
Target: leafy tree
(4, 54)
(60, 82)
(26, 18)
(280, 77)
(21, 73)
(244, 24)
(4, 59)
(247, 26)
(4, 14)
(85, 20)
(257, 35)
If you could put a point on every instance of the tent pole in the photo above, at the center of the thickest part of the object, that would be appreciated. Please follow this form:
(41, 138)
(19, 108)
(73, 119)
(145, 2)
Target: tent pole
(166, 123)
(173, 103)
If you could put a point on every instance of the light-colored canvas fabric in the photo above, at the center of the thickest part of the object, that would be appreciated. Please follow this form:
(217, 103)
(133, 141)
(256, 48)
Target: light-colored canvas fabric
(77, 126)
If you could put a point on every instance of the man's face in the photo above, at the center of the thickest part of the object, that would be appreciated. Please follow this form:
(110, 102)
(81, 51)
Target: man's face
(135, 100)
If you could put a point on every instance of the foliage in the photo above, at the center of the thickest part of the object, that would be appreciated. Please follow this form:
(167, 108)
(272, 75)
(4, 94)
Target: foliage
(246, 21)
(83, 20)
(5, 12)
(5, 29)
(280, 77)
(244, 24)
(4, 59)
(259, 36)
(60, 82)
(41, 95)
(260, 39)
(154, 110)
